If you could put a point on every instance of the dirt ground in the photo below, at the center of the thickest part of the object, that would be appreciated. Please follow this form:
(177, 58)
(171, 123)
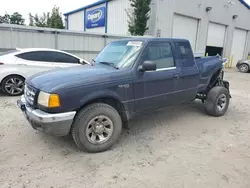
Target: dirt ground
(176, 147)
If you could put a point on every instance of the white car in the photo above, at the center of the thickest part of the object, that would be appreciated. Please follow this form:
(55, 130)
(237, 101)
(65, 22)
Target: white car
(19, 64)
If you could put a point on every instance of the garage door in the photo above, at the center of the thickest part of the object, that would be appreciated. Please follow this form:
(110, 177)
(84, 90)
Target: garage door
(185, 27)
(216, 35)
(238, 47)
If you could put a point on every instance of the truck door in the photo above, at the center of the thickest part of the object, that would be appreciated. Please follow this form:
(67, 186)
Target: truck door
(189, 72)
(156, 89)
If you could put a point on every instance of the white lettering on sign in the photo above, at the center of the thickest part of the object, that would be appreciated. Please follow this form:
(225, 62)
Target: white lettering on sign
(95, 16)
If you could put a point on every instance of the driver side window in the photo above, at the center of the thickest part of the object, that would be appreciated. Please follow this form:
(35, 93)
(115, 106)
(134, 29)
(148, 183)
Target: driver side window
(161, 53)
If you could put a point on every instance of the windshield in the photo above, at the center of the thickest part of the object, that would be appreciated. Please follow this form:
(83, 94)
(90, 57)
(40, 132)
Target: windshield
(121, 54)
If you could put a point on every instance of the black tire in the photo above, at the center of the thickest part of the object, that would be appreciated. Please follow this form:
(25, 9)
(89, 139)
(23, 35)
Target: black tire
(214, 98)
(244, 68)
(81, 124)
(6, 81)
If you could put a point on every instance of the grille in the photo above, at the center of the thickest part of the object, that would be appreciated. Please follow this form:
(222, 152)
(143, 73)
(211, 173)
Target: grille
(29, 94)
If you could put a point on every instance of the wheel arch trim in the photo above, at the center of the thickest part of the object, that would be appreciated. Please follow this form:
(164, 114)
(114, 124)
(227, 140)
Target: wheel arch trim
(106, 94)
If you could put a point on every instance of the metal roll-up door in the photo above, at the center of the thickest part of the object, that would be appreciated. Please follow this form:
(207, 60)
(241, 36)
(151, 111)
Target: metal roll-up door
(238, 46)
(215, 39)
(185, 27)
(216, 35)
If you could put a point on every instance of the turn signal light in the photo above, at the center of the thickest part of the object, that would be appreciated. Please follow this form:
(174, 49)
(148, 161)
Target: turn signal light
(54, 101)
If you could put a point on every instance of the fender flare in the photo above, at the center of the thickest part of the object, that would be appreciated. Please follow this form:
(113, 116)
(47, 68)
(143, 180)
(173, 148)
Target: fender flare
(125, 114)
(101, 94)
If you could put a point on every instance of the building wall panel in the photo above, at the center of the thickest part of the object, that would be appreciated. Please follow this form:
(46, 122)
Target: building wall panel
(221, 13)
(216, 35)
(83, 44)
(117, 17)
(21, 39)
(180, 30)
(76, 21)
(239, 44)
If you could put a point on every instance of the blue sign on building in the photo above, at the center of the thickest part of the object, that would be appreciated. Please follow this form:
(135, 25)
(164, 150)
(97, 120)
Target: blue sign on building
(95, 18)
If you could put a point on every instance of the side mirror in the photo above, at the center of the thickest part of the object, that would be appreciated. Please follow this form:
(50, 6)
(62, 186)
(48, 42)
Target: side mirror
(147, 66)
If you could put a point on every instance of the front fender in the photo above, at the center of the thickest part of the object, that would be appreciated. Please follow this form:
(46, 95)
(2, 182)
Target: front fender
(99, 94)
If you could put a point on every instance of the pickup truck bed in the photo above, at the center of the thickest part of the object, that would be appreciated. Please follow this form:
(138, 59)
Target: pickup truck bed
(207, 66)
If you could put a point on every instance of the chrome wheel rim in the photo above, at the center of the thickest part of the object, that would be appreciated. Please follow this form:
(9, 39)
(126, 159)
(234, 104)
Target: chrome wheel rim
(244, 68)
(14, 86)
(222, 101)
(99, 129)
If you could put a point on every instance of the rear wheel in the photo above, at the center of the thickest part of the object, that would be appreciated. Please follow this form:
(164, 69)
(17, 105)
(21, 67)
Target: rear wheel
(217, 101)
(13, 85)
(244, 68)
(96, 128)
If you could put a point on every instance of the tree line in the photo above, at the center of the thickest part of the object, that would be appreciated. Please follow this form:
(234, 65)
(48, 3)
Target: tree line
(51, 19)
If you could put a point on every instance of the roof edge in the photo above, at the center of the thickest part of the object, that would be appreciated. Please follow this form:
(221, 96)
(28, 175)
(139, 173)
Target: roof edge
(104, 1)
(85, 7)
(245, 4)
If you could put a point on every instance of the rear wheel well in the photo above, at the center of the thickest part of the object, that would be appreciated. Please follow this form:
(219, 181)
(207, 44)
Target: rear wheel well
(10, 76)
(116, 104)
(213, 81)
(2, 89)
(214, 78)
(245, 64)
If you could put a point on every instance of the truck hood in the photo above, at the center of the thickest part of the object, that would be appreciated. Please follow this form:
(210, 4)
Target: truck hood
(54, 80)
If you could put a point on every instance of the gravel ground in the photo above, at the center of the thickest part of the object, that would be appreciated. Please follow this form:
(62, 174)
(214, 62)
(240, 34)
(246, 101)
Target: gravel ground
(175, 147)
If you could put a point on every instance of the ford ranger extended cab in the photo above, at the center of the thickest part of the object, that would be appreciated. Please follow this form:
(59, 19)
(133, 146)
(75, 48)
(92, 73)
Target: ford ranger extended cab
(127, 78)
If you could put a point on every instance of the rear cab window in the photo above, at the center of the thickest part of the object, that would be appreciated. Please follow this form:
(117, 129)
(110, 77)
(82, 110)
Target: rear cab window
(185, 50)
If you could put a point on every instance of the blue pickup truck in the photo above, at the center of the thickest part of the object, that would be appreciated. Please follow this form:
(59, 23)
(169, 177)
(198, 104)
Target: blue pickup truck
(128, 77)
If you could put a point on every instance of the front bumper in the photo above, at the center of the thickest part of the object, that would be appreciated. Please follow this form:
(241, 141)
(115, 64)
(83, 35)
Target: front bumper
(53, 124)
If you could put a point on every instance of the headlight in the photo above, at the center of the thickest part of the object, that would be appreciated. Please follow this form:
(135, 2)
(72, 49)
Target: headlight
(48, 100)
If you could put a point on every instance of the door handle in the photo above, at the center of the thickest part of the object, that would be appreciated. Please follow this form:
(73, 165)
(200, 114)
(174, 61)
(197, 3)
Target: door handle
(177, 76)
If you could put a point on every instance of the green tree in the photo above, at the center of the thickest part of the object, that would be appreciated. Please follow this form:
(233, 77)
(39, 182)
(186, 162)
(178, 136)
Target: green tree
(50, 20)
(15, 18)
(5, 18)
(38, 21)
(138, 16)
(55, 19)
(31, 19)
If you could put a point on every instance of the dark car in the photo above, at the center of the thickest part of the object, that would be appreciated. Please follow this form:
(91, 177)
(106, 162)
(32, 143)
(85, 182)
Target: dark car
(243, 66)
(127, 78)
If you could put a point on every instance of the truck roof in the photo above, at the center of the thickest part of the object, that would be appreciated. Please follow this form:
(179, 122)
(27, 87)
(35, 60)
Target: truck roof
(154, 39)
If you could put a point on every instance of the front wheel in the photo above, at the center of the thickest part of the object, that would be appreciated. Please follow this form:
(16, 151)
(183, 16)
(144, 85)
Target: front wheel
(217, 101)
(96, 128)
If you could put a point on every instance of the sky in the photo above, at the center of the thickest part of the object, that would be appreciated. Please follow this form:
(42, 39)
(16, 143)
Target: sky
(35, 6)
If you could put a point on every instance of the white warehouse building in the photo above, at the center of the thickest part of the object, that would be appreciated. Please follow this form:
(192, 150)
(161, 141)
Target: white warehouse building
(212, 26)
